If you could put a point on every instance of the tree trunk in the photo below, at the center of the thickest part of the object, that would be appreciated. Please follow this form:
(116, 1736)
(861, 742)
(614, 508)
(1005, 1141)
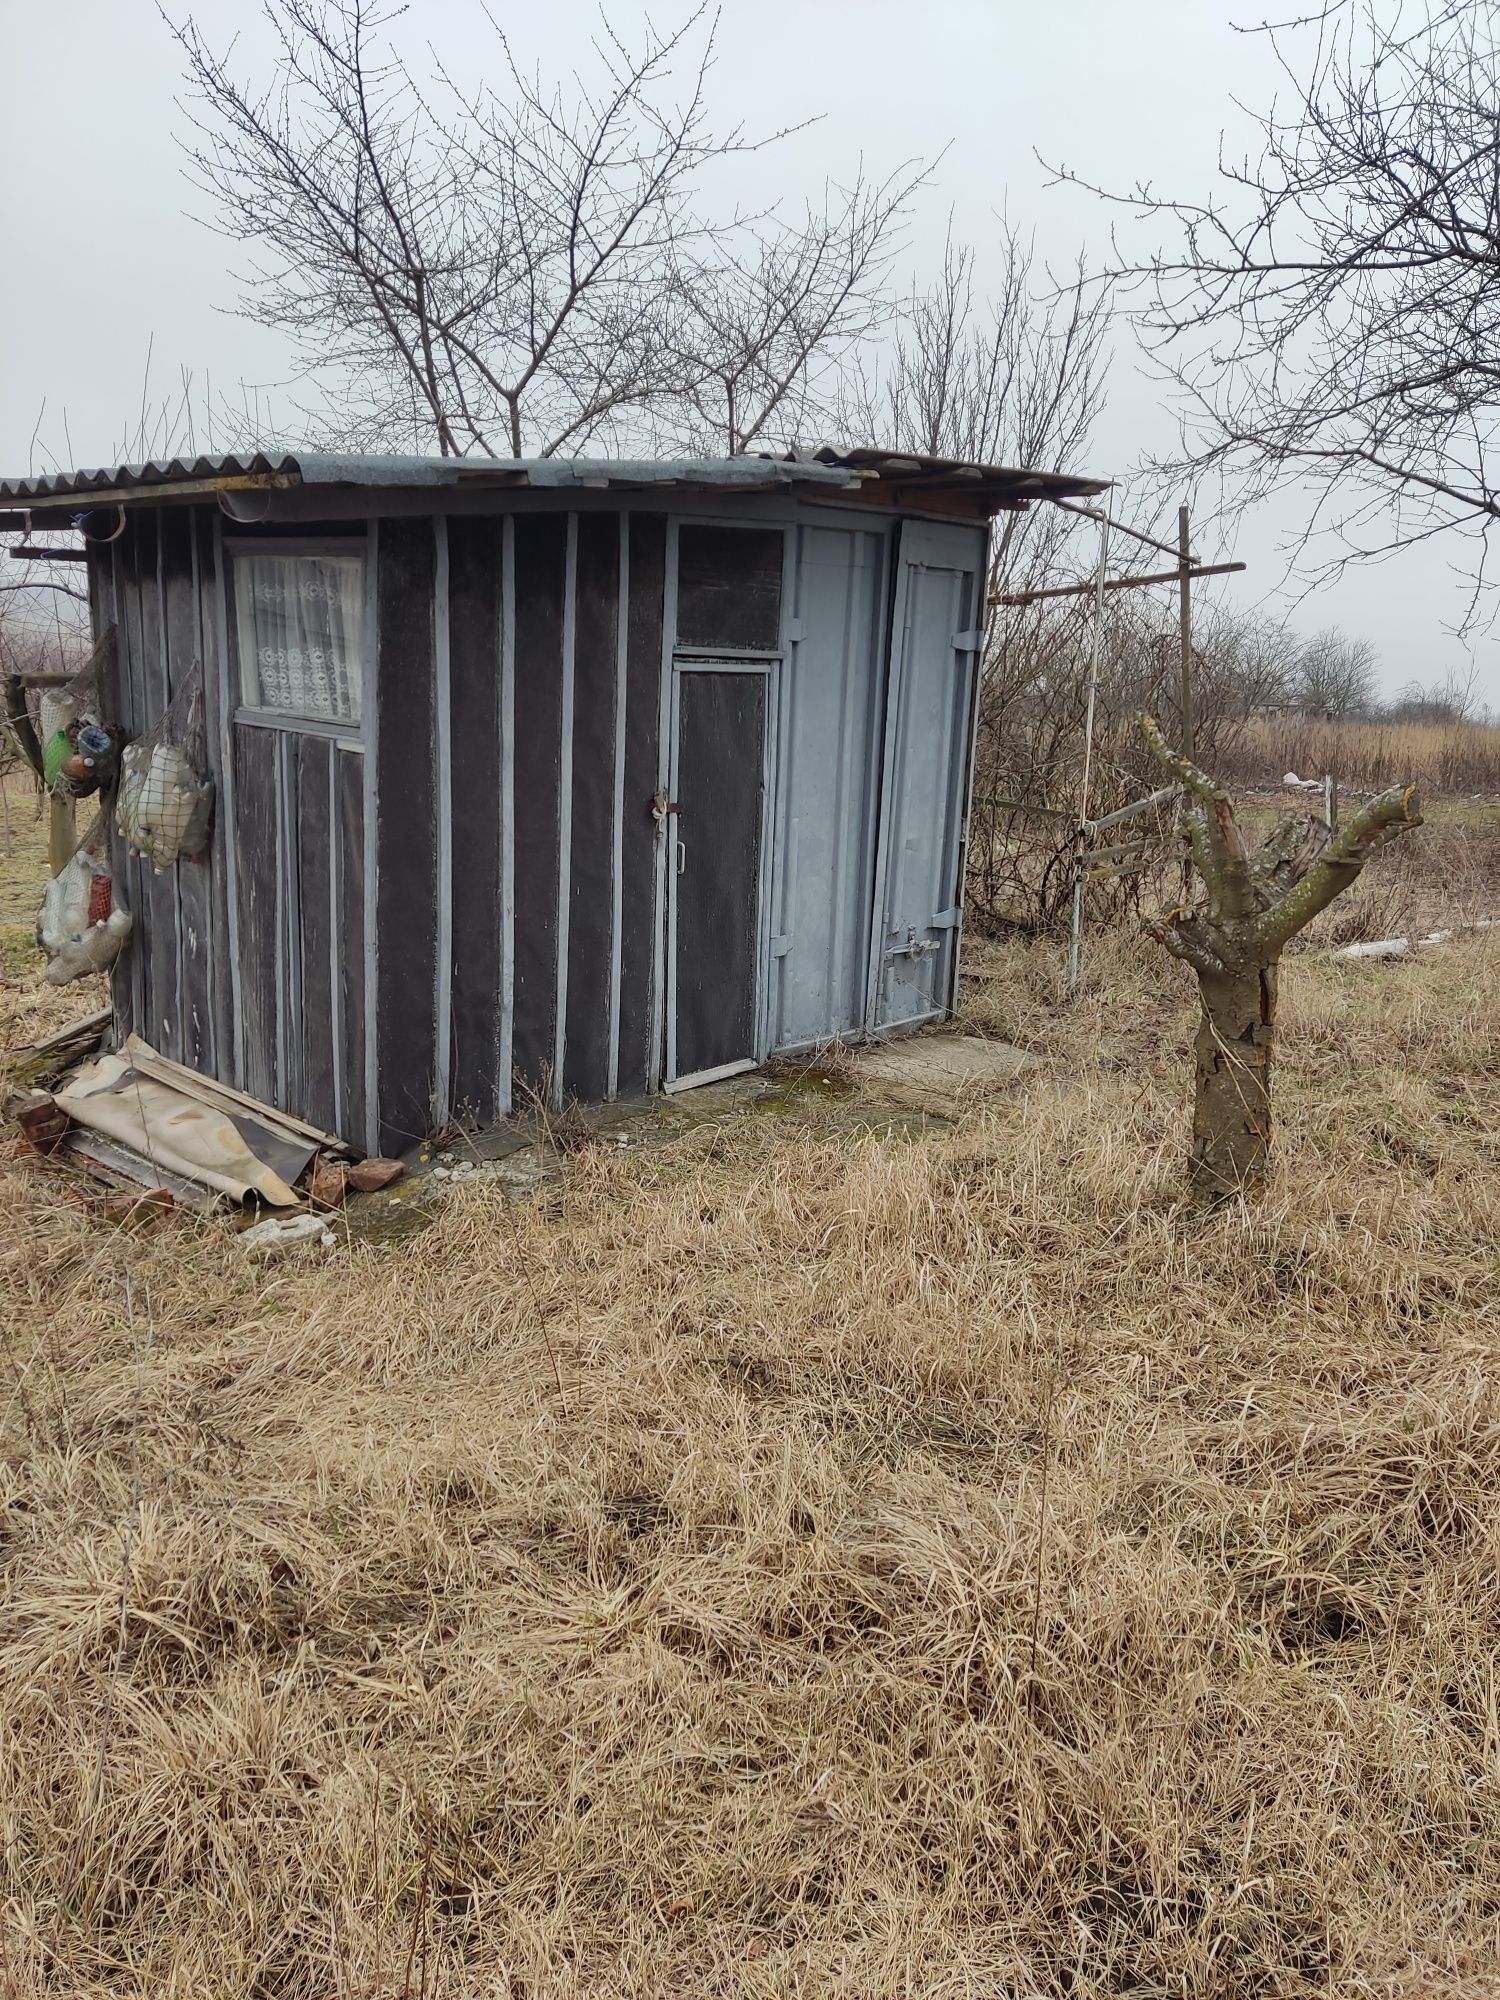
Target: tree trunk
(1232, 1107)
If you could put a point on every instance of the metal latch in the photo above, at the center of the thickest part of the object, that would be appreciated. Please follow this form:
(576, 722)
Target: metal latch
(661, 805)
(914, 947)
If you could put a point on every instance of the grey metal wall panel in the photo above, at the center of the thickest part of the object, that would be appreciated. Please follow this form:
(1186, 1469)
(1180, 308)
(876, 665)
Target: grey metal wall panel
(832, 698)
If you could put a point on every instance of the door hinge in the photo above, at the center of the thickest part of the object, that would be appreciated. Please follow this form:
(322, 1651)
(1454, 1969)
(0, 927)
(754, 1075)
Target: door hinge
(946, 920)
(968, 642)
(781, 945)
(793, 631)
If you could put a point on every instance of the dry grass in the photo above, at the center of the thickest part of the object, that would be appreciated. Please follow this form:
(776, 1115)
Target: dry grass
(777, 1566)
(29, 1008)
(1452, 758)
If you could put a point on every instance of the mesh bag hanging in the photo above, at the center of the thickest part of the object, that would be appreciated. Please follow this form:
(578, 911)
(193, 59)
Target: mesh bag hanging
(82, 925)
(80, 751)
(166, 796)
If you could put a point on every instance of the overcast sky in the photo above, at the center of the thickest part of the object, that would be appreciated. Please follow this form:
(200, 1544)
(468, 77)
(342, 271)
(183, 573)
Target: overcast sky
(103, 256)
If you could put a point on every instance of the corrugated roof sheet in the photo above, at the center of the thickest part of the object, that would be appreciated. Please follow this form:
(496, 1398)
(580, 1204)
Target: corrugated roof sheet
(824, 466)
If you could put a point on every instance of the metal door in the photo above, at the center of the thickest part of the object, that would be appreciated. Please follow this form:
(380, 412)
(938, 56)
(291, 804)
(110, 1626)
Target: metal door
(830, 710)
(919, 876)
(715, 851)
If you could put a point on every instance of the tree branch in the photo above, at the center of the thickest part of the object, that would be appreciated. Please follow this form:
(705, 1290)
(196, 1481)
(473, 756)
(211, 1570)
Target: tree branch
(1374, 826)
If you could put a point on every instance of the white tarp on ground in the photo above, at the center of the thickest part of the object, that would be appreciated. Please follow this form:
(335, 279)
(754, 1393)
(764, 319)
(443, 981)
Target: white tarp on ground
(232, 1152)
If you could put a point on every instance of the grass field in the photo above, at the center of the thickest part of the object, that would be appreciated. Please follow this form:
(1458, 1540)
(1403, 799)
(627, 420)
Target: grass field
(775, 1565)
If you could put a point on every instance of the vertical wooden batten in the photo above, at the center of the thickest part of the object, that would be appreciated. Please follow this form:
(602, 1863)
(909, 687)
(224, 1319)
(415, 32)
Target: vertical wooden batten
(617, 818)
(370, 826)
(442, 710)
(170, 1001)
(309, 764)
(124, 979)
(226, 827)
(642, 618)
(191, 879)
(504, 1047)
(565, 813)
(656, 1052)
(215, 729)
(336, 942)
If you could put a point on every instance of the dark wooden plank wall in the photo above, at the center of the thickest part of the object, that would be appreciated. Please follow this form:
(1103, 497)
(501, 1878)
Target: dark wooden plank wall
(475, 563)
(591, 864)
(407, 804)
(291, 863)
(316, 944)
(106, 609)
(541, 569)
(476, 755)
(163, 994)
(295, 857)
(189, 880)
(257, 851)
(131, 980)
(216, 730)
(352, 1000)
(648, 563)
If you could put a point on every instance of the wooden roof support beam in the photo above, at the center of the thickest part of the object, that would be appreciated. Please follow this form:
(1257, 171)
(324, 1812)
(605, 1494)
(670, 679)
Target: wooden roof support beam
(1018, 597)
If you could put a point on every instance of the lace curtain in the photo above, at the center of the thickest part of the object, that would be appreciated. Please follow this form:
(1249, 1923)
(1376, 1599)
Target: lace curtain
(300, 633)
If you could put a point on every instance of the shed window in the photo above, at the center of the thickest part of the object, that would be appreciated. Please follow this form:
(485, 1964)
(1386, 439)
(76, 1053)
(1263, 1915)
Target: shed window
(729, 588)
(301, 632)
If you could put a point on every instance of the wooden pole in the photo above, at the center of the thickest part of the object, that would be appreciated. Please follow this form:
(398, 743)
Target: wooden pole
(1017, 597)
(1185, 630)
(62, 831)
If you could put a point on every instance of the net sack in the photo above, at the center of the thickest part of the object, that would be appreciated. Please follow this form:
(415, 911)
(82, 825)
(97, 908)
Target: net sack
(166, 796)
(80, 751)
(82, 926)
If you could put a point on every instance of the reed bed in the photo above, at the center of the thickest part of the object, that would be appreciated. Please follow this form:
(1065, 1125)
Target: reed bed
(775, 1564)
(1457, 759)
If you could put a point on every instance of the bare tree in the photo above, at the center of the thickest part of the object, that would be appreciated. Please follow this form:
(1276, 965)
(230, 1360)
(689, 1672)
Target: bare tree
(769, 317)
(1336, 676)
(521, 269)
(1251, 906)
(1331, 315)
(1454, 698)
(1015, 378)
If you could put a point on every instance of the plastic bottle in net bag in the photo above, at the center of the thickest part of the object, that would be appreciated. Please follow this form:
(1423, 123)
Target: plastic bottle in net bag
(166, 797)
(82, 926)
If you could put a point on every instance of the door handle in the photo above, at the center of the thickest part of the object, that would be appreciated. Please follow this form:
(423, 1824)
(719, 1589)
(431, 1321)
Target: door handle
(681, 857)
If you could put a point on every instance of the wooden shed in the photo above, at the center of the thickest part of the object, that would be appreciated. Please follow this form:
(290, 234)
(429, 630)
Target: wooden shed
(571, 777)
